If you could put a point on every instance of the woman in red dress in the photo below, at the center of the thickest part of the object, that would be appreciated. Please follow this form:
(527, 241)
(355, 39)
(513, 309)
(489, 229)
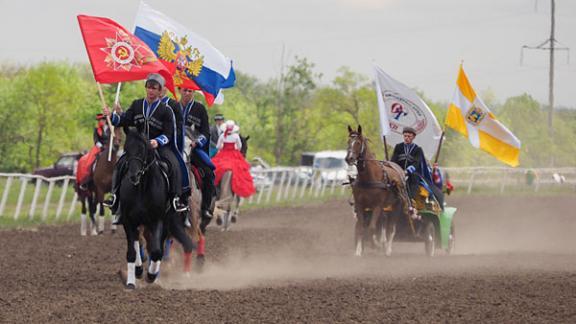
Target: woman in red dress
(229, 158)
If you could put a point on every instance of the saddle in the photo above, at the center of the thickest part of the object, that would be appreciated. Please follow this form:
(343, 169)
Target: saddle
(165, 167)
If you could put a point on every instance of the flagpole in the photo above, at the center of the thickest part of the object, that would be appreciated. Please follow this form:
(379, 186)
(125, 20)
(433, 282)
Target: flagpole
(107, 119)
(385, 147)
(116, 101)
(439, 147)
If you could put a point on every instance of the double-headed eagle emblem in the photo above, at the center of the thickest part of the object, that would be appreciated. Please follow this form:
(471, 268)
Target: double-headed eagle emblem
(176, 50)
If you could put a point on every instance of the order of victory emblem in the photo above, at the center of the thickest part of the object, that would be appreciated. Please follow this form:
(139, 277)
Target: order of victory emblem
(121, 54)
(404, 113)
(188, 60)
(475, 115)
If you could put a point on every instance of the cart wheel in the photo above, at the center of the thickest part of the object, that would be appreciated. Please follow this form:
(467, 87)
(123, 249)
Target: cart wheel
(451, 240)
(430, 238)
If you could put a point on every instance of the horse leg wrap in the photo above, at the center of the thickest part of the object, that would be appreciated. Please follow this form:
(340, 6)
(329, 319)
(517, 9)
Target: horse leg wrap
(131, 274)
(154, 267)
(83, 224)
(167, 247)
(138, 256)
(187, 262)
(139, 269)
(201, 245)
(100, 224)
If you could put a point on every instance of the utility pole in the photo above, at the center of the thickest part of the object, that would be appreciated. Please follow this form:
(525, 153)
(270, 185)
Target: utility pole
(551, 74)
(549, 44)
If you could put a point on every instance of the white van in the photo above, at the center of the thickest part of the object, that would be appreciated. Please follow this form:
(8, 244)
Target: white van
(330, 165)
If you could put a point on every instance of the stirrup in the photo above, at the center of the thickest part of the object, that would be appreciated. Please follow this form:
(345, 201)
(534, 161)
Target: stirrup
(178, 209)
(207, 214)
(187, 222)
(109, 203)
(117, 219)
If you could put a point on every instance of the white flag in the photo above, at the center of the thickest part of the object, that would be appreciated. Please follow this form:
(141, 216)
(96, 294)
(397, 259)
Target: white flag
(401, 107)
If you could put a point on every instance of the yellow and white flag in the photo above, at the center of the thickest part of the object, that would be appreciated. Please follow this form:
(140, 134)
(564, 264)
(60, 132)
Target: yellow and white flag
(469, 116)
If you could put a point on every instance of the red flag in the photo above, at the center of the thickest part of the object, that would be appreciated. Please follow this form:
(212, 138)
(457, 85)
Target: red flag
(116, 55)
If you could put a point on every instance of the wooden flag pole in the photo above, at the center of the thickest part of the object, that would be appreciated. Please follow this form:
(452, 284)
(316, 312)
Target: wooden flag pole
(385, 147)
(116, 101)
(439, 147)
(107, 120)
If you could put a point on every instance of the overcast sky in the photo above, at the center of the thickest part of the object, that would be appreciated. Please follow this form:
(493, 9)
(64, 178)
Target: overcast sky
(418, 42)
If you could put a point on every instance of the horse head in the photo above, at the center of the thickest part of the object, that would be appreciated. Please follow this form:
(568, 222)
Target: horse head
(244, 141)
(137, 150)
(356, 150)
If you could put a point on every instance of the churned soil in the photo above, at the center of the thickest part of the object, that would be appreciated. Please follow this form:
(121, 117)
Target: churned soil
(515, 262)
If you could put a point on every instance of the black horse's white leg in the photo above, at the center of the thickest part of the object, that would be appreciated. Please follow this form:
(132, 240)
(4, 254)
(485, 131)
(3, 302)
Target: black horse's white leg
(131, 252)
(156, 251)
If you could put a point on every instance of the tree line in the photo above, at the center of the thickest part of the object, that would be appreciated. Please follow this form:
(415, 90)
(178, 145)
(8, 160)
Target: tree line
(49, 108)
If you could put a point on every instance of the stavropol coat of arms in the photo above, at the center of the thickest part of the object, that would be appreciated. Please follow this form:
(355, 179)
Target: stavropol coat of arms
(121, 54)
(187, 59)
(475, 115)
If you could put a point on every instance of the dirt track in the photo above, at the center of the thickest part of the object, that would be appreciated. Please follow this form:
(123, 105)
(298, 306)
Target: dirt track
(515, 262)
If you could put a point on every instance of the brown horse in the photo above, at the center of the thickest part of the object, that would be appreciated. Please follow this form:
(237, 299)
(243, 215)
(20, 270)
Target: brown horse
(99, 185)
(379, 191)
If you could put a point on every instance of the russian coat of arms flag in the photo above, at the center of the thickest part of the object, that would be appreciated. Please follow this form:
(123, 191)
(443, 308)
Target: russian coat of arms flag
(116, 55)
(196, 63)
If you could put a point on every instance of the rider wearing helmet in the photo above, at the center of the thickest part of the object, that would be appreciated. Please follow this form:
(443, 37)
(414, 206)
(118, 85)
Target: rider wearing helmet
(153, 119)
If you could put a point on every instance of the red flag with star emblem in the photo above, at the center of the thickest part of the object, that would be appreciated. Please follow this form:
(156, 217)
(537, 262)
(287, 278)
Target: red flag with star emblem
(118, 56)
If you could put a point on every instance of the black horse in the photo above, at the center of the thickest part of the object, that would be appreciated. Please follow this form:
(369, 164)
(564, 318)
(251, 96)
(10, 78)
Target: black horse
(145, 200)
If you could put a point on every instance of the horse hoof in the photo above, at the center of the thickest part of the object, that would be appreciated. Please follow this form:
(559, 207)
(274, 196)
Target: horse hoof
(218, 220)
(113, 232)
(150, 278)
(139, 271)
(233, 219)
(130, 286)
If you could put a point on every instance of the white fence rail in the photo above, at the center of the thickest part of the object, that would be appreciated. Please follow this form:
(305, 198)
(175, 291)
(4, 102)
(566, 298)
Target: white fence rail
(36, 196)
(25, 195)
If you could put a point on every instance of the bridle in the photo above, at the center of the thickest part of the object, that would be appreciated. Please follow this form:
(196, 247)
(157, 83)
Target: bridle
(144, 165)
(360, 160)
(360, 163)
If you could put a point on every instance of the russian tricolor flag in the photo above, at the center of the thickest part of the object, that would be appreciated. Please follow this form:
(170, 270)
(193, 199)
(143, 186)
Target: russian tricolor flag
(197, 63)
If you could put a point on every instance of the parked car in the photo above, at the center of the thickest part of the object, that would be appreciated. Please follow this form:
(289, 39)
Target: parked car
(326, 166)
(65, 165)
(332, 166)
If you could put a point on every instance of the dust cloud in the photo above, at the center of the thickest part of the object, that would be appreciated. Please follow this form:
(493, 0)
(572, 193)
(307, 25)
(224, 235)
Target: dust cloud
(287, 247)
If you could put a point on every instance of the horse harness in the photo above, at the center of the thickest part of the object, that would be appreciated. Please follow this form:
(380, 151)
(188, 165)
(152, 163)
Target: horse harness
(384, 183)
